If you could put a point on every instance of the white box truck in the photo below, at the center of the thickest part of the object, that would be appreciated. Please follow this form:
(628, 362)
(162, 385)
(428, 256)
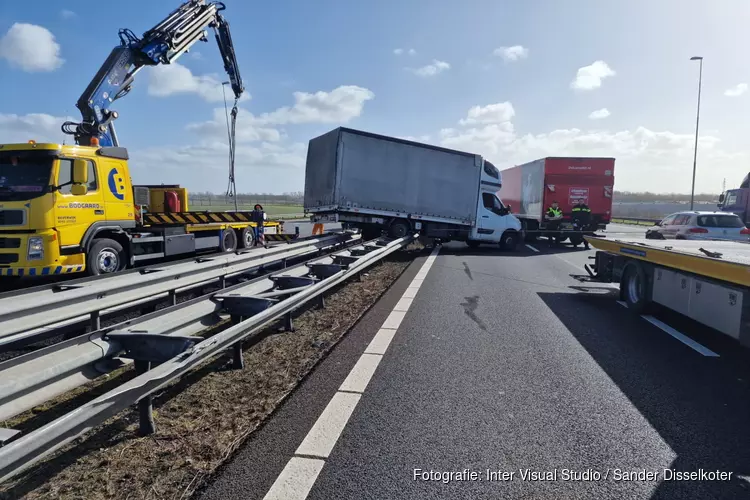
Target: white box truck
(379, 183)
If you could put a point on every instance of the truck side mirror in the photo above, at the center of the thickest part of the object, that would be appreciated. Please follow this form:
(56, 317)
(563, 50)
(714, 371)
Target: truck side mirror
(721, 198)
(510, 208)
(80, 178)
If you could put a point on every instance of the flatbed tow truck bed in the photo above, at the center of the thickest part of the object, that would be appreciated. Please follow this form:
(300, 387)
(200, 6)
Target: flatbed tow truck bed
(706, 280)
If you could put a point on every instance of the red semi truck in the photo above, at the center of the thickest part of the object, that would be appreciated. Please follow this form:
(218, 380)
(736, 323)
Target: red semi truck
(531, 188)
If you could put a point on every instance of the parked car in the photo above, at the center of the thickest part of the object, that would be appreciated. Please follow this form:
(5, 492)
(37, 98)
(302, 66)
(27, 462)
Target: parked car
(700, 226)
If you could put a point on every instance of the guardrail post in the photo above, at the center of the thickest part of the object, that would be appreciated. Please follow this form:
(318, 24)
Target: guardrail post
(96, 322)
(283, 263)
(288, 322)
(222, 282)
(238, 362)
(173, 297)
(322, 301)
(145, 405)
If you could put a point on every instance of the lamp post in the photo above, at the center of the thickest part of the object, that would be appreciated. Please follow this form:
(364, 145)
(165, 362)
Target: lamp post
(697, 121)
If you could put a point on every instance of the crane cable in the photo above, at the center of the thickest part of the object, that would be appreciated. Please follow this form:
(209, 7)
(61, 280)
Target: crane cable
(231, 128)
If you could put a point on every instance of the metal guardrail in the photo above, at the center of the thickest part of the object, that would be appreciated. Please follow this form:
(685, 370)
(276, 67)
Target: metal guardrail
(28, 314)
(633, 220)
(252, 306)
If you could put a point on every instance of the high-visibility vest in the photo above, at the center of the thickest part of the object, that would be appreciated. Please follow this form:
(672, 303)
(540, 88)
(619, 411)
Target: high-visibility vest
(554, 212)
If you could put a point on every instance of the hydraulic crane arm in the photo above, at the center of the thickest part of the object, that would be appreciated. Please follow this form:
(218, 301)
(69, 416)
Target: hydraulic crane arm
(162, 44)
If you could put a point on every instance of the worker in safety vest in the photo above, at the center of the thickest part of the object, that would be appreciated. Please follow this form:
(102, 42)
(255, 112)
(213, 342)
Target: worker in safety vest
(554, 216)
(258, 216)
(317, 228)
(582, 216)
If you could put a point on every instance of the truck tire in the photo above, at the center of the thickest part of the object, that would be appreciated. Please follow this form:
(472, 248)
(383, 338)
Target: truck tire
(247, 237)
(105, 256)
(634, 288)
(398, 229)
(576, 240)
(228, 241)
(509, 240)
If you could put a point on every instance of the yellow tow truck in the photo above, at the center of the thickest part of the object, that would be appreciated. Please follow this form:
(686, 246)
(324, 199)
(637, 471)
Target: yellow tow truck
(69, 209)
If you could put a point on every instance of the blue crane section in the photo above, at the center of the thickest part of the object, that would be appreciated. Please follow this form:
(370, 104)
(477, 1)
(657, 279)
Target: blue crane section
(162, 44)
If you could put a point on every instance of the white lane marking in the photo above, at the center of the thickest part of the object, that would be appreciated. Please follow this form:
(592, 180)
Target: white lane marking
(381, 341)
(296, 480)
(403, 305)
(394, 319)
(300, 473)
(361, 374)
(623, 303)
(416, 283)
(326, 431)
(680, 336)
(532, 248)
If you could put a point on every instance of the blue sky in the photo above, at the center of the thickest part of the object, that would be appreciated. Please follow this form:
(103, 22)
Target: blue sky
(490, 77)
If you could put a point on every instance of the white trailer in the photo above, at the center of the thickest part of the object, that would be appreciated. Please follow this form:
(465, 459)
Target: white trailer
(378, 183)
(708, 281)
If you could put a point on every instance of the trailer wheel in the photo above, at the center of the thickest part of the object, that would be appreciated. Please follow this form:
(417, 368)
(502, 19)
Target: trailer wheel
(576, 240)
(509, 240)
(228, 241)
(398, 229)
(105, 256)
(247, 237)
(634, 288)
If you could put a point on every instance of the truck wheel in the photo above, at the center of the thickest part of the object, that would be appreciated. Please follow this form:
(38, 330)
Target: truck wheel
(576, 240)
(509, 240)
(105, 256)
(472, 243)
(228, 241)
(634, 288)
(247, 237)
(398, 229)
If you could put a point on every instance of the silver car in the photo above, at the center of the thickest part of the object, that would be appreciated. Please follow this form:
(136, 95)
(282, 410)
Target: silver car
(700, 226)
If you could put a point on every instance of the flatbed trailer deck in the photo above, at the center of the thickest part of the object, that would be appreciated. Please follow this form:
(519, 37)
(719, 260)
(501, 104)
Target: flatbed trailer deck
(708, 281)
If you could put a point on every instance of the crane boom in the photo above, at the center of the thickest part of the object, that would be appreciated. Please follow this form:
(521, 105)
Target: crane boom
(162, 44)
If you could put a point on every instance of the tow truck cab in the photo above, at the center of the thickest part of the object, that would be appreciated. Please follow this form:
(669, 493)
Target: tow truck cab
(54, 199)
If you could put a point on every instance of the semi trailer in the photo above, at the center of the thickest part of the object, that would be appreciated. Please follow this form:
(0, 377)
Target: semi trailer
(532, 187)
(378, 183)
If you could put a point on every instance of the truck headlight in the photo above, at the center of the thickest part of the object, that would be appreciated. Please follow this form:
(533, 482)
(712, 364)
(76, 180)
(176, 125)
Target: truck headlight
(36, 248)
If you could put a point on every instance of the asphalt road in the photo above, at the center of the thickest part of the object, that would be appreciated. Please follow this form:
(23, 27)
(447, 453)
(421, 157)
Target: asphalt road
(504, 362)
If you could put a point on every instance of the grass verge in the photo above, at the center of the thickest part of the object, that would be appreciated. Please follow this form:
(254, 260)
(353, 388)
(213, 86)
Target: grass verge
(205, 416)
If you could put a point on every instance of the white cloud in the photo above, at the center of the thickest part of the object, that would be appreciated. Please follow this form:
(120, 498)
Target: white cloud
(37, 126)
(590, 77)
(421, 138)
(30, 47)
(248, 128)
(269, 168)
(194, 54)
(431, 69)
(68, 14)
(171, 79)
(513, 53)
(737, 90)
(337, 106)
(599, 114)
(399, 52)
(492, 113)
(645, 158)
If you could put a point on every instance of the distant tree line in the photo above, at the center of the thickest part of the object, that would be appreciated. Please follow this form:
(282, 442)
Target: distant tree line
(244, 199)
(646, 196)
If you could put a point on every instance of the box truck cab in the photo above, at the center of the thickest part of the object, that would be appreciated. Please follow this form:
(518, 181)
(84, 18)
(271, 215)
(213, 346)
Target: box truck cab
(379, 183)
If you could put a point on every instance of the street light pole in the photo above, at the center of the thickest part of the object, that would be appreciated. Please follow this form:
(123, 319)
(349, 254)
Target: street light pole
(697, 121)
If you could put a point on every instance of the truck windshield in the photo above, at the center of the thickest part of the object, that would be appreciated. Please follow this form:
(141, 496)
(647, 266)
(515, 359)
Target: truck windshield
(731, 199)
(24, 174)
